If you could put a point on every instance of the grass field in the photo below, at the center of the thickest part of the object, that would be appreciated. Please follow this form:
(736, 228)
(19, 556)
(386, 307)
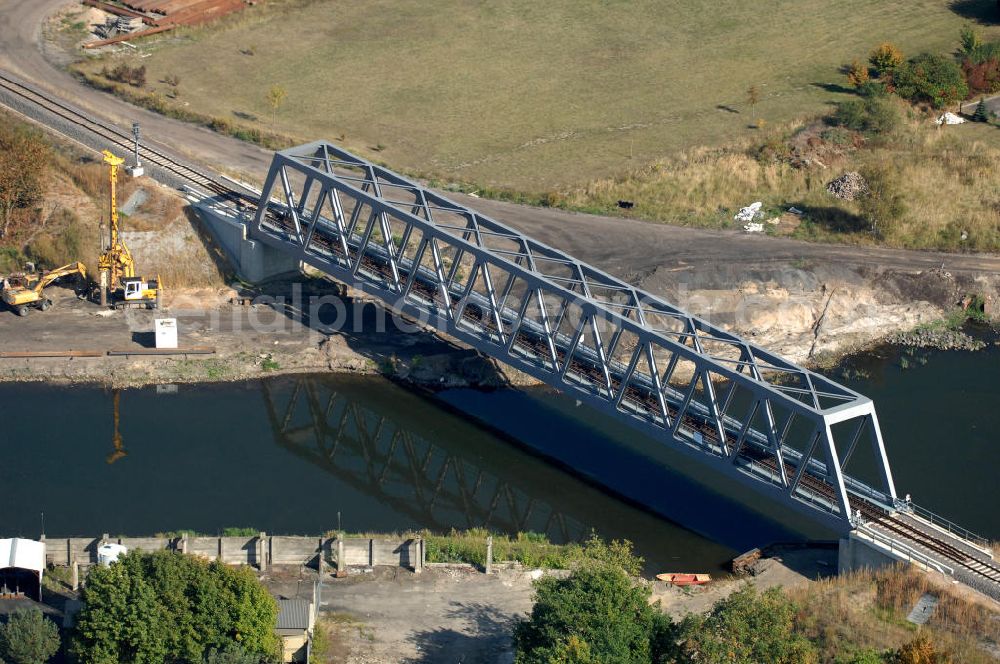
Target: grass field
(534, 96)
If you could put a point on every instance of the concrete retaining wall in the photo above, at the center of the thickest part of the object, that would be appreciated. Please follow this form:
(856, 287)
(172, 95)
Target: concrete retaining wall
(259, 550)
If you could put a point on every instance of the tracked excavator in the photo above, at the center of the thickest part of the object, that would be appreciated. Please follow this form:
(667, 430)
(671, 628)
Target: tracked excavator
(119, 285)
(24, 291)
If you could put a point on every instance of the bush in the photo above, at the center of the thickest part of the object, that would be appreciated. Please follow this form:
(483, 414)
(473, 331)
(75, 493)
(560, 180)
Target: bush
(982, 77)
(883, 206)
(873, 89)
(29, 638)
(745, 628)
(885, 58)
(873, 115)
(594, 615)
(930, 78)
(134, 76)
(231, 654)
(857, 74)
(920, 650)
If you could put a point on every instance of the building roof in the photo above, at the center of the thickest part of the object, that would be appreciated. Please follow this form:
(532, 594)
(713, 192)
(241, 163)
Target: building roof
(294, 614)
(23, 554)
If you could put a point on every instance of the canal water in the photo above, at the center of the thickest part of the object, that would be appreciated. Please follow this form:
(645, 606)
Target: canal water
(311, 454)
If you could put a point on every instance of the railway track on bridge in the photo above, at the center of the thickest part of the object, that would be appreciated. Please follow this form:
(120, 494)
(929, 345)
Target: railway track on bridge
(122, 140)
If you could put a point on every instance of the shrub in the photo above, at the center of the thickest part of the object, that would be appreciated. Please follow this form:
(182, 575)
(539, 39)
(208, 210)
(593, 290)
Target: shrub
(745, 628)
(857, 74)
(874, 115)
(29, 638)
(134, 76)
(873, 89)
(931, 78)
(982, 77)
(883, 206)
(885, 58)
(920, 650)
(231, 654)
(594, 615)
(970, 40)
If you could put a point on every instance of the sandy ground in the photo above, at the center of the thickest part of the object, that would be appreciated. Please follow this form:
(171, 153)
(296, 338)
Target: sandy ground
(271, 334)
(458, 614)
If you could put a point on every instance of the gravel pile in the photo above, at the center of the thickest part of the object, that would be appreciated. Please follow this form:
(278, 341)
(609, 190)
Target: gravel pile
(848, 186)
(943, 339)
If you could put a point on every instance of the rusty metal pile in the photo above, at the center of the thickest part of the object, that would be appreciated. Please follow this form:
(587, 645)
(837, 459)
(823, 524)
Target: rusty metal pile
(163, 15)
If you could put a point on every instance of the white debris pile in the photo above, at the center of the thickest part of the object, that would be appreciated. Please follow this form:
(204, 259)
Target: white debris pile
(848, 187)
(753, 227)
(950, 118)
(749, 213)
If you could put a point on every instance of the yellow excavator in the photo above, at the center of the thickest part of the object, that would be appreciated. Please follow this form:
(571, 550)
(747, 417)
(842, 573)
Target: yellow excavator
(116, 265)
(26, 290)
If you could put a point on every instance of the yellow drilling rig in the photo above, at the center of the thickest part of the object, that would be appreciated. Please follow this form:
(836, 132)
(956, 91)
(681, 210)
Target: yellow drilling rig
(118, 282)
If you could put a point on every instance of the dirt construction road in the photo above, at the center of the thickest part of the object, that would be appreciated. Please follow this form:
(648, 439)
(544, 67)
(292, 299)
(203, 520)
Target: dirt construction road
(625, 247)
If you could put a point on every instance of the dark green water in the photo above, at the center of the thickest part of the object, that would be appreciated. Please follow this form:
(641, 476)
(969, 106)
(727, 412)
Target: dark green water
(299, 455)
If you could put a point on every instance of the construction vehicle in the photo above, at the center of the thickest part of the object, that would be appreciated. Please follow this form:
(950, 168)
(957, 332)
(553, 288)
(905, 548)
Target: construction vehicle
(118, 281)
(26, 290)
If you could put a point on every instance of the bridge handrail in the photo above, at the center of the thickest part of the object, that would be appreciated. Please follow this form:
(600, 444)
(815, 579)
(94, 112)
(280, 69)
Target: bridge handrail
(910, 552)
(941, 522)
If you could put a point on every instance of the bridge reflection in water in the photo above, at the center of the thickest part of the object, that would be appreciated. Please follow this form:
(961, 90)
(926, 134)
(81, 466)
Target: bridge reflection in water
(439, 471)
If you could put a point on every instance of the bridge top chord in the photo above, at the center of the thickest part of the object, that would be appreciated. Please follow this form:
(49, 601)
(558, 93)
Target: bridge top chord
(729, 355)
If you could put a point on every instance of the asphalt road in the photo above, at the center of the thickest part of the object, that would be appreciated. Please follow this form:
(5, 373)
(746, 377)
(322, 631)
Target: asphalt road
(621, 246)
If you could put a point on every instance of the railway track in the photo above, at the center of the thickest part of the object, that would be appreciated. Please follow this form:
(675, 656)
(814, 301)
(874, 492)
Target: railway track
(122, 140)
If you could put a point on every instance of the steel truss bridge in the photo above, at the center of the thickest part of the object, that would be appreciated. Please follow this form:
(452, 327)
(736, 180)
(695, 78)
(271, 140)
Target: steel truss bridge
(746, 412)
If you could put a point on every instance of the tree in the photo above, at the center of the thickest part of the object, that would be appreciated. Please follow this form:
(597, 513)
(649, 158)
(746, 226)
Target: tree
(753, 96)
(24, 156)
(745, 628)
(931, 78)
(29, 638)
(597, 614)
(981, 114)
(857, 74)
(166, 606)
(275, 98)
(885, 58)
(970, 41)
(883, 206)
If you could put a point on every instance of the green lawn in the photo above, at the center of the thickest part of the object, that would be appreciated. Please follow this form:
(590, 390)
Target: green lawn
(532, 95)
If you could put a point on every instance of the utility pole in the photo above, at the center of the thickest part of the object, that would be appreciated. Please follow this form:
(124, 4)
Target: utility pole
(136, 170)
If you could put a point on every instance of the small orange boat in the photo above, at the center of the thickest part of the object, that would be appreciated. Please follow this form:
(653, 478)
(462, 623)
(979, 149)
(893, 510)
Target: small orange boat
(685, 579)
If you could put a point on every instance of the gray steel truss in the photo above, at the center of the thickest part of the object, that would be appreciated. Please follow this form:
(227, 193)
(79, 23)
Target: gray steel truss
(746, 412)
